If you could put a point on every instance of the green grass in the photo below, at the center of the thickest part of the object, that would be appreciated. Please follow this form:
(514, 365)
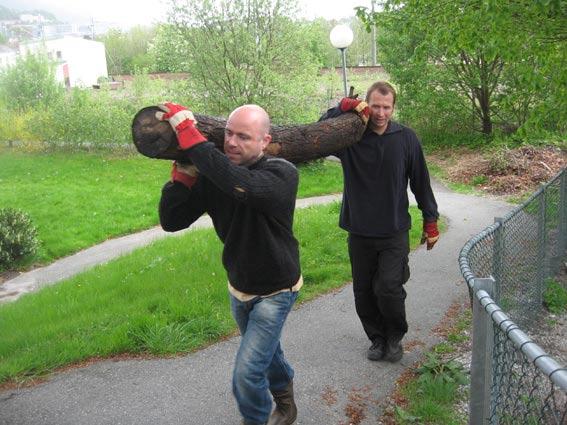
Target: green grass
(77, 199)
(319, 178)
(432, 396)
(332, 89)
(169, 297)
(555, 297)
(432, 401)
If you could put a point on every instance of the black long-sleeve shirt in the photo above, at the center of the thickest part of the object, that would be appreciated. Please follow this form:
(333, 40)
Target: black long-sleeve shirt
(252, 212)
(376, 173)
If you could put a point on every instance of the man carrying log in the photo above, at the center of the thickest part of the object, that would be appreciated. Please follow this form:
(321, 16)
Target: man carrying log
(375, 214)
(250, 198)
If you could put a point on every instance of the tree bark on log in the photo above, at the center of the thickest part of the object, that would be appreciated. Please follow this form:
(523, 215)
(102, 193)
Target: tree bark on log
(301, 143)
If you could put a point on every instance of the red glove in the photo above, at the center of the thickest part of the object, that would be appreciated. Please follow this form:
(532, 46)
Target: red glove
(356, 105)
(430, 234)
(182, 173)
(183, 122)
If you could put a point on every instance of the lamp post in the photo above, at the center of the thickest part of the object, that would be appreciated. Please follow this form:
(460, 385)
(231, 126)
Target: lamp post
(341, 37)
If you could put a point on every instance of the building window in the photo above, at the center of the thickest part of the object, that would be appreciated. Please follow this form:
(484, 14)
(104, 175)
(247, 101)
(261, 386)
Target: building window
(58, 54)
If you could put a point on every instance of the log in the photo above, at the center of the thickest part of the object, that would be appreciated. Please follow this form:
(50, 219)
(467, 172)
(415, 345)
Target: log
(300, 143)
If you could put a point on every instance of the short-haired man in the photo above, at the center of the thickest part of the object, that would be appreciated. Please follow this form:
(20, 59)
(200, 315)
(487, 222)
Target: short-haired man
(250, 198)
(375, 214)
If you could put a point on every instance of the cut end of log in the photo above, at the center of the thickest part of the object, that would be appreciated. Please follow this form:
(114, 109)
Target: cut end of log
(152, 137)
(274, 149)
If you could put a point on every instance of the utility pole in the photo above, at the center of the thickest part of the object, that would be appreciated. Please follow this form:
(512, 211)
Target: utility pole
(373, 36)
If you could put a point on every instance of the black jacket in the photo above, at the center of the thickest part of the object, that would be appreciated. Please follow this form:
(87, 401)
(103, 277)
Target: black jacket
(376, 172)
(252, 212)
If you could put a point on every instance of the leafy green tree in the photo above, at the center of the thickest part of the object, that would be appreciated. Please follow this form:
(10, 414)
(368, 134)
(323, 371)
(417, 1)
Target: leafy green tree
(30, 82)
(165, 47)
(245, 51)
(127, 52)
(317, 40)
(474, 58)
(359, 52)
(7, 14)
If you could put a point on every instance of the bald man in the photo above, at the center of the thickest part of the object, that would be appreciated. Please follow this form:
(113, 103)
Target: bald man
(250, 198)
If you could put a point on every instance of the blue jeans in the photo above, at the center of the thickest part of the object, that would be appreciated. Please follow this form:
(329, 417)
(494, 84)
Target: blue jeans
(260, 365)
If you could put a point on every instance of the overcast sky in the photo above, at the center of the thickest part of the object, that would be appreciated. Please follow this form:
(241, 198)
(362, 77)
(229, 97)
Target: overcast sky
(144, 12)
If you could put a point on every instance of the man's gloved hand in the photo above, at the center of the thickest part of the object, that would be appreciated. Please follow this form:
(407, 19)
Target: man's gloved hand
(360, 107)
(430, 234)
(184, 173)
(183, 122)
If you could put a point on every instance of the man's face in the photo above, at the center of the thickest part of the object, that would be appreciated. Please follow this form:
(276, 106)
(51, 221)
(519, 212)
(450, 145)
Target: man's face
(244, 137)
(381, 110)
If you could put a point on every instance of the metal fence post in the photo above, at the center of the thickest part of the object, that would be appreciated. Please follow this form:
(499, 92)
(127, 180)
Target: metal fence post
(563, 213)
(542, 250)
(481, 363)
(498, 258)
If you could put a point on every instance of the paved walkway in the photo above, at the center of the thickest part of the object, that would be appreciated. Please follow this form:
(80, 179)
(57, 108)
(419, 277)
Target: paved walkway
(323, 340)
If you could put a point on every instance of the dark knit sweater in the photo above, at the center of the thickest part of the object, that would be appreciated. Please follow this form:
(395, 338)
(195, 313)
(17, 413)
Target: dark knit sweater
(376, 171)
(252, 212)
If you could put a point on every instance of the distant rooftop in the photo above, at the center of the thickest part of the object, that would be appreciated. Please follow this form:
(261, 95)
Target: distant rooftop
(6, 49)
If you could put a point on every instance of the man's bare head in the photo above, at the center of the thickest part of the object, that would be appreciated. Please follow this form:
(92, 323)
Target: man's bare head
(247, 133)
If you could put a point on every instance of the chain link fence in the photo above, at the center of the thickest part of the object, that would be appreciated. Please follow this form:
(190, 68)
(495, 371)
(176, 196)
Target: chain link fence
(507, 267)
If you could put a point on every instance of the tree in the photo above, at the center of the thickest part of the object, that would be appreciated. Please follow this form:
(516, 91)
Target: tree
(7, 14)
(317, 39)
(244, 51)
(30, 82)
(471, 56)
(165, 48)
(127, 52)
(360, 51)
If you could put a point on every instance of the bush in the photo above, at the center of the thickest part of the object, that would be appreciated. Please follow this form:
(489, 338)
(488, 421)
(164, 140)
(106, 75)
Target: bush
(18, 237)
(30, 82)
(555, 297)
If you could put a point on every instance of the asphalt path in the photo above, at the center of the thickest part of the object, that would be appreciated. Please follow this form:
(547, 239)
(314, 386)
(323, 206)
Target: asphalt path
(322, 339)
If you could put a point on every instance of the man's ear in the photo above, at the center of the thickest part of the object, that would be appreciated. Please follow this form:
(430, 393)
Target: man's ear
(266, 141)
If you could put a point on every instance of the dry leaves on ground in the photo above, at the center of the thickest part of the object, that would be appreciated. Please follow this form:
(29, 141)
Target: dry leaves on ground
(510, 172)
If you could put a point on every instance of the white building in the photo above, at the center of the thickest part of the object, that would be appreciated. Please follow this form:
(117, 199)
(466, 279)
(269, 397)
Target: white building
(7, 57)
(80, 62)
(32, 19)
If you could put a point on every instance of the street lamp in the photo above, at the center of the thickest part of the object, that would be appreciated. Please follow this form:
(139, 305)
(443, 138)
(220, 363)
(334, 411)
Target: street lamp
(341, 37)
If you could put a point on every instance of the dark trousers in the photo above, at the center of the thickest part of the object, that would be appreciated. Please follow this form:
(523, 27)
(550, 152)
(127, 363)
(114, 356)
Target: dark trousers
(379, 270)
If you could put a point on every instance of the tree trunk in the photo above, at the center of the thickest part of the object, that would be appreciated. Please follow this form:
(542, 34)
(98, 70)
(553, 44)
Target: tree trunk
(301, 143)
(484, 102)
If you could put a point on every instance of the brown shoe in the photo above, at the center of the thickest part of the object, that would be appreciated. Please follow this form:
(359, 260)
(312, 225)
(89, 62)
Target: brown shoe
(285, 412)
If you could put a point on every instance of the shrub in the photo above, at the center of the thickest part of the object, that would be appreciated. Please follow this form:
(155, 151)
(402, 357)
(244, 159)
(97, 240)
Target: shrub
(555, 297)
(18, 237)
(478, 180)
(435, 368)
(30, 82)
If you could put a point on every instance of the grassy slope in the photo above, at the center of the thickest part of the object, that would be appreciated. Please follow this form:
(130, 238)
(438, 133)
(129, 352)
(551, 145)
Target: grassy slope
(79, 199)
